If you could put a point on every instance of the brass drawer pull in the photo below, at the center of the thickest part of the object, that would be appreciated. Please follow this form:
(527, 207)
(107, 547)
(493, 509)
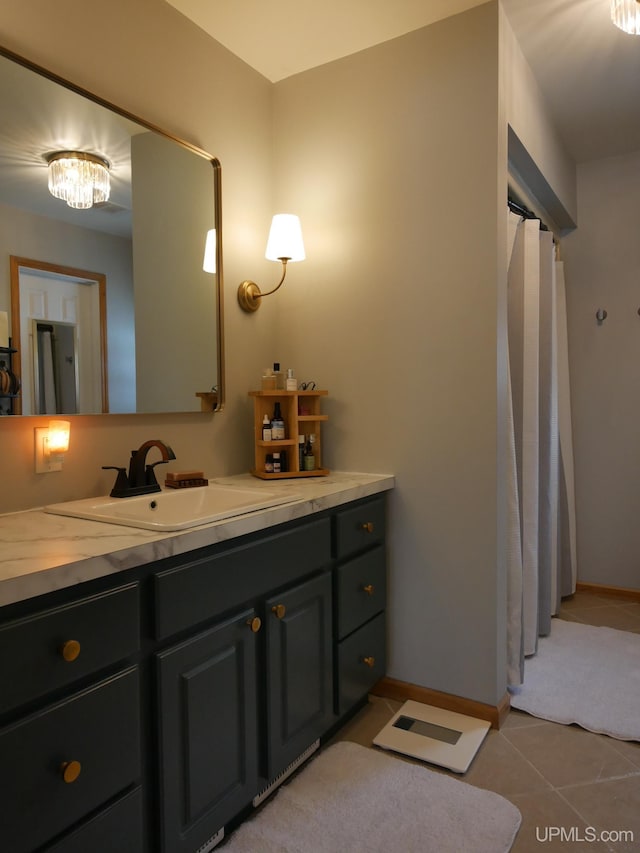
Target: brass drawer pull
(70, 650)
(279, 610)
(370, 661)
(255, 624)
(70, 771)
(369, 589)
(368, 526)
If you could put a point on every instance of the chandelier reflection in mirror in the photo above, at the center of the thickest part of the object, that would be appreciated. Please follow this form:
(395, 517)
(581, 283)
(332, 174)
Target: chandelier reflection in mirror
(78, 178)
(625, 14)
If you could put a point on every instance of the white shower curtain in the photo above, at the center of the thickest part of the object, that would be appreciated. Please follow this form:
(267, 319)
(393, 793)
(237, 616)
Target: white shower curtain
(541, 547)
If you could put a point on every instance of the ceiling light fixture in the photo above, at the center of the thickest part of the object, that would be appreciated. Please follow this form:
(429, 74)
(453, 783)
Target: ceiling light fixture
(79, 178)
(625, 14)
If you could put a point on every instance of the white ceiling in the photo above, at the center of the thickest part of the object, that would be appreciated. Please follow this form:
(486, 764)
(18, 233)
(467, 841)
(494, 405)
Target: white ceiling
(588, 70)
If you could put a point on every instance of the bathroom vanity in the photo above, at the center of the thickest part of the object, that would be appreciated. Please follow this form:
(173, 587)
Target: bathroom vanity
(155, 684)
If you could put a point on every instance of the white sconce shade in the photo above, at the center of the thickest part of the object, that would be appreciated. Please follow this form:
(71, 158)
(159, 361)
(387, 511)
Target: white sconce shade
(209, 263)
(625, 14)
(284, 245)
(52, 443)
(285, 238)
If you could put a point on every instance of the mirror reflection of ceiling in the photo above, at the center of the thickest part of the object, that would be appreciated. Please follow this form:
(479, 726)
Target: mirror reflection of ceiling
(587, 69)
(46, 117)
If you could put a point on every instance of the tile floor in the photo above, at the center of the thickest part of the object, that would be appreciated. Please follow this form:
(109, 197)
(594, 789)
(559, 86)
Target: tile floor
(565, 781)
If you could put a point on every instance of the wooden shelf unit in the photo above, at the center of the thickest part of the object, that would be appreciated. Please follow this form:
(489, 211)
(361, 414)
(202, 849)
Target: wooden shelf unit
(302, 416)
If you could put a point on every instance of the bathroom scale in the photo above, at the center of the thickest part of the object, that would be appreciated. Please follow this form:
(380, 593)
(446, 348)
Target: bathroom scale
(431, 734)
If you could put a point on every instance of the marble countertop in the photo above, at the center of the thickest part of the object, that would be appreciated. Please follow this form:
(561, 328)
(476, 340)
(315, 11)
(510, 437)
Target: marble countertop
(42, 552)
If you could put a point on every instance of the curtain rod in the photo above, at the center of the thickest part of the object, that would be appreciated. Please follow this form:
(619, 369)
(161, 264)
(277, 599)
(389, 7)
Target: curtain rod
(523, 211)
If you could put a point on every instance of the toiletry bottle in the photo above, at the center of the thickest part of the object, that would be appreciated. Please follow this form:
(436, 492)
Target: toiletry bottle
(277, 465)
(291, 384)
(300, 453)
(279, 376)
(309, 458)
(268, 380)
(268, 463)
(277, 424)
(266, 428)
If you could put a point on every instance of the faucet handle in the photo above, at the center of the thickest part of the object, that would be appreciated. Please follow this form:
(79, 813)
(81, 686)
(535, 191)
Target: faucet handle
(150, 474)
(122, 481)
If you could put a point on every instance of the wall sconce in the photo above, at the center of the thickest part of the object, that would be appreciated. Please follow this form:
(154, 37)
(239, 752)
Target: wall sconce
(284, 244)
(209, 263)
(52, 443)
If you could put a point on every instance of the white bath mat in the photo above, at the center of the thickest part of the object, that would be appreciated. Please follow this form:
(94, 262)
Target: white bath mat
(350, 798)
(585, 675)
(432, 734)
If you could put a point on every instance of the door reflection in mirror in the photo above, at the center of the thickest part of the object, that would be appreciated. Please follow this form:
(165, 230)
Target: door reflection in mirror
(54, 368)
(59, 318)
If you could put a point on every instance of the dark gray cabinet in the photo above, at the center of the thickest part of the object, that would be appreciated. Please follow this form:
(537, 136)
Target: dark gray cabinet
(70, 704)
(360, 601)
(208, 731)
(299, 670)
(144, 711)
(55, 767)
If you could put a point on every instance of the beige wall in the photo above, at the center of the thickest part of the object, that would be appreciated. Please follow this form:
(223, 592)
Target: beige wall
(602, 259)
(391, 158)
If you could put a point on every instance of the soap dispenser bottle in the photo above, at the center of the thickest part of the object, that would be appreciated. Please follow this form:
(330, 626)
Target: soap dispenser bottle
(291, 384)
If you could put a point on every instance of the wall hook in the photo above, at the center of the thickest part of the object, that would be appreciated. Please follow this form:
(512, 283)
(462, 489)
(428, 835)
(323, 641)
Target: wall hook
(601, 315)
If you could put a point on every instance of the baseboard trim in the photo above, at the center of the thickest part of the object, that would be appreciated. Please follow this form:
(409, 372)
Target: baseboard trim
(601, 589)
(390, 688)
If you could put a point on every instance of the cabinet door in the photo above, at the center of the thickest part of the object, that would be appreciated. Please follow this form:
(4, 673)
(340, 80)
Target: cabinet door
(208, 732)
(299, 670)
(62, 763)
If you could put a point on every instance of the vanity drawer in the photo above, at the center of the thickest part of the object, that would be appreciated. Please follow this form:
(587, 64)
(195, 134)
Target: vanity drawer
(361, 590)
(118, 827)
(53, 648)
(361, 662)
(359, 527)
(201, 589)
(98, 728)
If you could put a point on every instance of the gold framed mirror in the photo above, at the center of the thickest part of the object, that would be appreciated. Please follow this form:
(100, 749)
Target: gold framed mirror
(163, 347)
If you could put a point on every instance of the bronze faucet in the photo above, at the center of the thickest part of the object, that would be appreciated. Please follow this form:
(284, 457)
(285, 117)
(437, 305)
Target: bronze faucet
(141, 479)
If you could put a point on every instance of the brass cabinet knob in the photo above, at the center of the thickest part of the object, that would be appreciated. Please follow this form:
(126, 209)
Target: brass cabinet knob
(70, 650)
(70, 771)
(369, 589)
(370, 661)
(368, 526)
(255, 624)
(279, 610)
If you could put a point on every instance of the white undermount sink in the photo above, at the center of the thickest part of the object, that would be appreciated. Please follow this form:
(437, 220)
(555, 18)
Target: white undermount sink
(173, 509)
